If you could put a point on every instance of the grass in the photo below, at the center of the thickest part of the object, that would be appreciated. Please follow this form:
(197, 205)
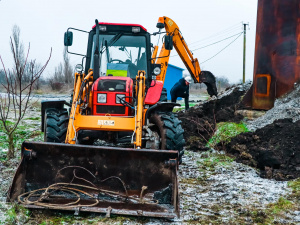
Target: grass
(209, 163)
(27, 130)
(225, 131)
(278, 209)
(272, 213)
(34, 118)
(58, 220)
(22, 134)
(178, 109)
(212, 162)
(281, 205)
(86, 218)
(295, 186)
(17, 214)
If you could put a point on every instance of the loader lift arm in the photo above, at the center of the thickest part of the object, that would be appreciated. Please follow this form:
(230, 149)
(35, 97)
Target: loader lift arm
(174, 38)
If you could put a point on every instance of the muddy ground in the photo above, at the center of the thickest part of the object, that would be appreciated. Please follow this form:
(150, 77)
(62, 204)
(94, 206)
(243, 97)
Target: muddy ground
(199, 122)
(214, 188)
(274, 149)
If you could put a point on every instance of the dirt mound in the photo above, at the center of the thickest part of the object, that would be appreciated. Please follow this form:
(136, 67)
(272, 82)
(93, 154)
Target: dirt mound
(274, 149)
(287, 106)
(199, 122)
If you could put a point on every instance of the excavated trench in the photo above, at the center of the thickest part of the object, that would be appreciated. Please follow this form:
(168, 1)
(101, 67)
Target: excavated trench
(199, 122)
(273, 148)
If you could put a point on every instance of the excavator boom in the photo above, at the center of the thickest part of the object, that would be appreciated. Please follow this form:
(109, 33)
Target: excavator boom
(191, 63)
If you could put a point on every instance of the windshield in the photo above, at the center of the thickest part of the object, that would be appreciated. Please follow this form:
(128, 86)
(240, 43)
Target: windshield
(121, 55)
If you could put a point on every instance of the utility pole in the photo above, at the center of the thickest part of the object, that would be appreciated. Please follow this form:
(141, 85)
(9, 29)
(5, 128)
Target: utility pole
(244, 52)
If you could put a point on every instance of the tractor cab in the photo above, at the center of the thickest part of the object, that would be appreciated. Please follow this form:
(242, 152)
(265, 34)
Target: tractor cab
(123, 50)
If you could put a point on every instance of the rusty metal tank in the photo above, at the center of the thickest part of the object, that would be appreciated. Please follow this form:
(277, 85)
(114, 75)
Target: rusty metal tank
(277, 51)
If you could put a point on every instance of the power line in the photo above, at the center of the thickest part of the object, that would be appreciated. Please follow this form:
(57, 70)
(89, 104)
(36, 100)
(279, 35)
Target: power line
(230, 29)
(217, 34)
(214, 38)
(212, 43)
(216, 42)
(222, 49)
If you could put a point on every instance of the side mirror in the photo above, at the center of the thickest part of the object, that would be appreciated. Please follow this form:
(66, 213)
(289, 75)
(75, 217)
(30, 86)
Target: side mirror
(168, 42)
(68, 40)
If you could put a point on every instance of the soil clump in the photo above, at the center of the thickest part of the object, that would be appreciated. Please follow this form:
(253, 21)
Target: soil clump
(199, 122)
(274, 149)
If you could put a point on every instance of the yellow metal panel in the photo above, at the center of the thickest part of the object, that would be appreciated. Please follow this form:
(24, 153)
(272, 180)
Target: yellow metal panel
(140, 83)
(108, 123)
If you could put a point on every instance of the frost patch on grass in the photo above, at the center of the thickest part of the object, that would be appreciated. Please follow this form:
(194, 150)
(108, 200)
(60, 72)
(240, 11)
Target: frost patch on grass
(225, 191)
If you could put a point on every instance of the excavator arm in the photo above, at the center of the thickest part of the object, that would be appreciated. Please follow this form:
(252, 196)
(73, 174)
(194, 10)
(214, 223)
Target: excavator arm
(174, 37)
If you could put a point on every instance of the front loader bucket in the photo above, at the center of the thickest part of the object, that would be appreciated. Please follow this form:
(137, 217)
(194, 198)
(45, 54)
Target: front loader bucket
(136, 182)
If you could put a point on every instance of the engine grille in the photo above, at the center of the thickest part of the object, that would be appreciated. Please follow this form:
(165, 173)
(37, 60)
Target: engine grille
(111, 109)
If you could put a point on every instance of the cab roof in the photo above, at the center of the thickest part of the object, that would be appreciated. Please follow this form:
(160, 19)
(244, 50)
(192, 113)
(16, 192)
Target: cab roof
(122, 25)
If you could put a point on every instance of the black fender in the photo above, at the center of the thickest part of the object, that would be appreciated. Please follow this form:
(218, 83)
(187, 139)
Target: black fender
(47, 104)
(160, 107)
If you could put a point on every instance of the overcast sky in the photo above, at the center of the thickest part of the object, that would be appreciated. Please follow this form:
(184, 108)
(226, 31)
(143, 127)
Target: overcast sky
(202, 22)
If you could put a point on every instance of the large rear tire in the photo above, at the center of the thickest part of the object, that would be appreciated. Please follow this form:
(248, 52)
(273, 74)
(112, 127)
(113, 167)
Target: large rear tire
(170, 131)
(56, 125)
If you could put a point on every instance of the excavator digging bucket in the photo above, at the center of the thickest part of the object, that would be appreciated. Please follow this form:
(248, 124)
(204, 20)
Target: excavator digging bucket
(210, 81)
(135, 182)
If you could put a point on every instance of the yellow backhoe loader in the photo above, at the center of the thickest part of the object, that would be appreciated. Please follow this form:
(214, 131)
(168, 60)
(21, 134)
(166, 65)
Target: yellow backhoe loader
(116, 99)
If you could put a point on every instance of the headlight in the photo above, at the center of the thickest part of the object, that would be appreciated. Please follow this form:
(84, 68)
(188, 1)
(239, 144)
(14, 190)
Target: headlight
(101, 98)
(136, 29)
(156, 70)
(102, 28)
(119, 97)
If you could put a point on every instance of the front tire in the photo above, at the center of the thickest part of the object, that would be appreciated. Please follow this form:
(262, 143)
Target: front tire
(56, 125)
(169, 128)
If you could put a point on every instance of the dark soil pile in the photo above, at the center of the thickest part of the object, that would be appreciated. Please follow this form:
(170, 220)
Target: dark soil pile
(274, 149)
(199, 122)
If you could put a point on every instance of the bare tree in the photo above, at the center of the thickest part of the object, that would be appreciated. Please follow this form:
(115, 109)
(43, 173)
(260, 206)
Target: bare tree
(14, 103)
(59, 73)
(222, 82)
(63, 74)
(33, 68)
(56, 82)
(2, 76)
